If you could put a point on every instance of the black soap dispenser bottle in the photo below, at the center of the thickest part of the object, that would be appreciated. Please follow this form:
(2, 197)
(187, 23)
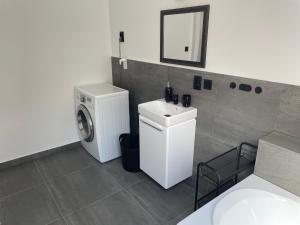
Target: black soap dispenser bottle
(168, 92)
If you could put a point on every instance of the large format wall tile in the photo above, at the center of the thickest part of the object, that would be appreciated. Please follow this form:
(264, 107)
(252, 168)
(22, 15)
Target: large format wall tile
(207, 147)
(243, 116)
(225, 116)
(146, 82)
(205, 115)
(181, 80)
(288, 120)
(281, 153)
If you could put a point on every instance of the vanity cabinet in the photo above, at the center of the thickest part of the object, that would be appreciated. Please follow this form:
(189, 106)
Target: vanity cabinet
(166, 153)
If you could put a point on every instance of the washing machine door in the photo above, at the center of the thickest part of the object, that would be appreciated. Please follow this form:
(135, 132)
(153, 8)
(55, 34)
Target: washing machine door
(85, 123)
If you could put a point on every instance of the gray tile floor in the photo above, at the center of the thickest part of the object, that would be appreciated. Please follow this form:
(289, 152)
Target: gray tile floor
(71, 188)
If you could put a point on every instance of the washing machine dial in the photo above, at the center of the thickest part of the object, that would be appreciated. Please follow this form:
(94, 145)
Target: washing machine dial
(82, 99)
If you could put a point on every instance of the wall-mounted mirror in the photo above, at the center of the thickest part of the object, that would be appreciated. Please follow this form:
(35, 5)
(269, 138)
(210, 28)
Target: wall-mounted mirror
(183, 36)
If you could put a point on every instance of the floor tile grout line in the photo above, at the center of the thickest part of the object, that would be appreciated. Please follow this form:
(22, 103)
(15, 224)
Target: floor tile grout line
(37, 167)
(53, 221)
(68, 174)
(51, 194)
(34, 185)
(126, 188)
(136, 197)
(130, 185)
(120, 183)
(181, 214)
(47, 181)
(41, 184)
(94, 202)
(63, 216)
(143, 207)
(21, 191)
(65, 175)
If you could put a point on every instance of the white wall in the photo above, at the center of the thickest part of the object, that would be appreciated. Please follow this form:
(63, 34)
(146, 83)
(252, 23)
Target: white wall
(46, 48)
(255, 39)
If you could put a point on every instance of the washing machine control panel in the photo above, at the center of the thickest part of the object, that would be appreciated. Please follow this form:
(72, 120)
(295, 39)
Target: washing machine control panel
(82, 99)
(87, 101)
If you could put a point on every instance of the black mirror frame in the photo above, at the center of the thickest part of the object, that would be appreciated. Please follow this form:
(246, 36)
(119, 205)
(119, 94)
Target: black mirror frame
(205, 10)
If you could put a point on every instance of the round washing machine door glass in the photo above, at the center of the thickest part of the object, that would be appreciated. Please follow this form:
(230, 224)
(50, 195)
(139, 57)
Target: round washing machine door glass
(85, 123)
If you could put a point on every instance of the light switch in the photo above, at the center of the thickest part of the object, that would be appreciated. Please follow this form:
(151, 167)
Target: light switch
(197, 82)
(207, 84)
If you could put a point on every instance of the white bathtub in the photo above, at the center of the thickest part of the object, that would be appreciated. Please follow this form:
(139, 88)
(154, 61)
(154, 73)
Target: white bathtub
(246, 204)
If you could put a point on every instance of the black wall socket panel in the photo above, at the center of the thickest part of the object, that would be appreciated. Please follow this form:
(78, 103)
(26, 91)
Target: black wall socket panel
(245, 87)
(207, 84)
(197, 82)
(232, 85)
(258, 90)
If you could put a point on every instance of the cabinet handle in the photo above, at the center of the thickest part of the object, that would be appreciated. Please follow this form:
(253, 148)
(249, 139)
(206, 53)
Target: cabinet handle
(151, 126)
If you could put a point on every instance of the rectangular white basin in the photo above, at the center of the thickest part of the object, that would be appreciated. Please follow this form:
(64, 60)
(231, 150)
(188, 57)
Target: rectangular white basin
(166, 114)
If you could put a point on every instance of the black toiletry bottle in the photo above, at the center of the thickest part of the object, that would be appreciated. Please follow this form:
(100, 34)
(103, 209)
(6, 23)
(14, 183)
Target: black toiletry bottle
(168, 92)
(186, 100)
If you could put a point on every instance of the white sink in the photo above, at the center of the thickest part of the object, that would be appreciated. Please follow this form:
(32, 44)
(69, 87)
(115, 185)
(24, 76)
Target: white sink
(166, 114)
(256, 207)
(167, 137)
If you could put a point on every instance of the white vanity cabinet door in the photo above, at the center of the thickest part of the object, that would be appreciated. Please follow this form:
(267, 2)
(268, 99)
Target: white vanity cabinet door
(166, 153)
(153, 145)
(180, 152)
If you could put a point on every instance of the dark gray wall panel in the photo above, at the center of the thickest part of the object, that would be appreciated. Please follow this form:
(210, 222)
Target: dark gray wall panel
(226, 116)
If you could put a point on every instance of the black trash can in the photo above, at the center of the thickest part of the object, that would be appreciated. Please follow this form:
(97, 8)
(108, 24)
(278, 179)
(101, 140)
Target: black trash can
(130, 152)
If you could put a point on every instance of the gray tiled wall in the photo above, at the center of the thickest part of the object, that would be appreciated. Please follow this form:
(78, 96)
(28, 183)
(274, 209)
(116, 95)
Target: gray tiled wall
(226, 117)
(281, 153)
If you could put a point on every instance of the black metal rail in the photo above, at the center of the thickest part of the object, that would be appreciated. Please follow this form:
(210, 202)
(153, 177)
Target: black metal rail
(215, 174)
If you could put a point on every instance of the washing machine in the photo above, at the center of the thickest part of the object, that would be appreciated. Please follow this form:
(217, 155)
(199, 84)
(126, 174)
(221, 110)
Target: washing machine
(102, 115)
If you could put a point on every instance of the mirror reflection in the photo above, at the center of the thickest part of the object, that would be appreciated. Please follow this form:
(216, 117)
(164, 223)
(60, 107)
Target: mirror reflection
(184, 36)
